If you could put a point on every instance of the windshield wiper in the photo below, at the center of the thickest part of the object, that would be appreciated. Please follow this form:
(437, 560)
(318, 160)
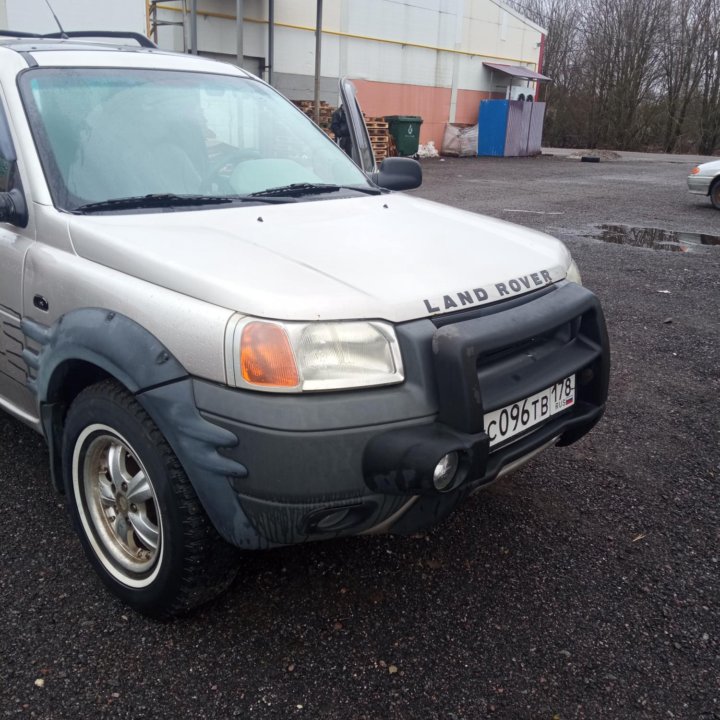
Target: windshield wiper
(300, 189)
(169, 200)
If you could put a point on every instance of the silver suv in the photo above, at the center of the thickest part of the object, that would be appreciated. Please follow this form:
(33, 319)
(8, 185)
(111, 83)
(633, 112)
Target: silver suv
(232, 335)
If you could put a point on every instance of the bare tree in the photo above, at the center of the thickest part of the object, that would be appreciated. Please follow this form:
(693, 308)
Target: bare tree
(561, 19)
(709, 116)
(620, 68)
(631, 74)
(682, 60)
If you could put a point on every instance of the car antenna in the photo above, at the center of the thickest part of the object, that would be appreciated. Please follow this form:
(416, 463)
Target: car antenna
(63, 34)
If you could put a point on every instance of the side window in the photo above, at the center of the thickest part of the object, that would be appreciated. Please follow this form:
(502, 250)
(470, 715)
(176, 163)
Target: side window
(7, 155)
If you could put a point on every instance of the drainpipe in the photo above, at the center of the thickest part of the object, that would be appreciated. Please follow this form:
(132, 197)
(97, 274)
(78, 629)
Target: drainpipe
(239, 14)
(193, 27)
(271, 40)
(318, 50)
(459, 17)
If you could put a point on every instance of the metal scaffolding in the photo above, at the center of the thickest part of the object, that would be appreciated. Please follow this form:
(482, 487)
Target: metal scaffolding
(192, 46)
(156, 23)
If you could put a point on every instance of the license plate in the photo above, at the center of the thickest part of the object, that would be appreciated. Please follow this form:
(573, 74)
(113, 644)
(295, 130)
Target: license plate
(514, 419)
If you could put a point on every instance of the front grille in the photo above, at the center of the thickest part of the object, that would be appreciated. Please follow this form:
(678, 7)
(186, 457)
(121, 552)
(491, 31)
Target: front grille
(491, 361)
(502, 369)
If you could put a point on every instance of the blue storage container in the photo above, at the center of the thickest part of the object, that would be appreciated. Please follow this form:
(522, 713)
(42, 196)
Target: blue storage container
(492, 127)
(510, 128)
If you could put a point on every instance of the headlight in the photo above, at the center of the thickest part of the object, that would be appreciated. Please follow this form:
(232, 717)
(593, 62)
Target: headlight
(299, 357)
(573, 273)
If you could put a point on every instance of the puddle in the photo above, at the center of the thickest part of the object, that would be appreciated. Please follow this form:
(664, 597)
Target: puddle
(654, 238)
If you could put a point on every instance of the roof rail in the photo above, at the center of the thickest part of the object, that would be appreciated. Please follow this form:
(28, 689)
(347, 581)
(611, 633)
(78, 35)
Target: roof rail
(121, 34)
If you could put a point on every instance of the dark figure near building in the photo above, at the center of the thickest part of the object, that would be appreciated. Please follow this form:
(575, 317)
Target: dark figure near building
(339, 127)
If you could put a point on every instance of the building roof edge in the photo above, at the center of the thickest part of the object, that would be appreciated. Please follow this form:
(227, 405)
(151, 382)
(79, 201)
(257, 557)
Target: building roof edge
(519, 16)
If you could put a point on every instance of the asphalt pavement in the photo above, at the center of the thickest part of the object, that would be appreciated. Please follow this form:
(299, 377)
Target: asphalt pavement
(587, 585)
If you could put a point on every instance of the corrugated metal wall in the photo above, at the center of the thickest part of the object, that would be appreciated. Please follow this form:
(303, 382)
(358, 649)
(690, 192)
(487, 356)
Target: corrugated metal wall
(536, 128)
(510, 128)
(415, 43)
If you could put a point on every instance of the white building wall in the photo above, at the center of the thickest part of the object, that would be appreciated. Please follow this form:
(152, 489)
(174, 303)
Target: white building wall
(406, 41)
(408, 56)
(34, 15)
(376, 40)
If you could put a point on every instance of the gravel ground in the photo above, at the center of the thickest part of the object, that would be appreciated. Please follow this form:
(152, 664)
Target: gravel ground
(584, 586)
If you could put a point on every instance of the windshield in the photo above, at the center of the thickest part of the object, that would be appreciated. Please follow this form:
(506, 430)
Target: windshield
(109, 134)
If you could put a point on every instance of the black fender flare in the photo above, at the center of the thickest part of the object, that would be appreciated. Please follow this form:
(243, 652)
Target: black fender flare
(128, 352)
(111, 341)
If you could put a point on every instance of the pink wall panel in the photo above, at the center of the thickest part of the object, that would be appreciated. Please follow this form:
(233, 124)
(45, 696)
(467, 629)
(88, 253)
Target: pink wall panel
(430, 103)
(468, 103)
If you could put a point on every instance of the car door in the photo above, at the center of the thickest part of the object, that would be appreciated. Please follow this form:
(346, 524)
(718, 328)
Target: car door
(14, 244)
(362, 151)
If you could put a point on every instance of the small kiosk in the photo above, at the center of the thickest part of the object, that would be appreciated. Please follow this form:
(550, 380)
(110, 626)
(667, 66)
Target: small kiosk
(512, 127)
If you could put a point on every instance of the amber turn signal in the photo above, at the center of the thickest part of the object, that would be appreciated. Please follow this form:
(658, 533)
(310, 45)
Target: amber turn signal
(695, 170)
(266, 357)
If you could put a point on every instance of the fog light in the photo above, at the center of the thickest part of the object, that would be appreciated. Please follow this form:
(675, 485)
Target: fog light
(445, 471)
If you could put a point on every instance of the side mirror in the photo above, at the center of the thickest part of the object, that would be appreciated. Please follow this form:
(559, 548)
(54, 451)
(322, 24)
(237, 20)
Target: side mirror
(398, 174)
(13, 208)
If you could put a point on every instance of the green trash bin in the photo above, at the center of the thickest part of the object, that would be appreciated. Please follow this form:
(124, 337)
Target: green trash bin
(406, 131)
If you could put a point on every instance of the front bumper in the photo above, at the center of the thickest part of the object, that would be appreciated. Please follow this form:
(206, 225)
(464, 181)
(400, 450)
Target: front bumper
(699, 184)
(331, 464)
(486, 363)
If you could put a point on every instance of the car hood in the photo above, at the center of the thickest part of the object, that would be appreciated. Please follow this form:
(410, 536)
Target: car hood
(393, 257)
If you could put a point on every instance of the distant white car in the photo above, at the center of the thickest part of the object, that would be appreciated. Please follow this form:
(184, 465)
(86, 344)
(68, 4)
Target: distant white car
(705, 180)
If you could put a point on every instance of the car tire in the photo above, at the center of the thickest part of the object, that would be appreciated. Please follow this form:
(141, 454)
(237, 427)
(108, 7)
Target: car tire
(136, 513)
(715, 194)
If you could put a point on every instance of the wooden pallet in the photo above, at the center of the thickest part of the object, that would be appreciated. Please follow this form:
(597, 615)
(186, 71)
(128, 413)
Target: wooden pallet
(380, 137)
(382, 142)
(325, 115)
(305, 104)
